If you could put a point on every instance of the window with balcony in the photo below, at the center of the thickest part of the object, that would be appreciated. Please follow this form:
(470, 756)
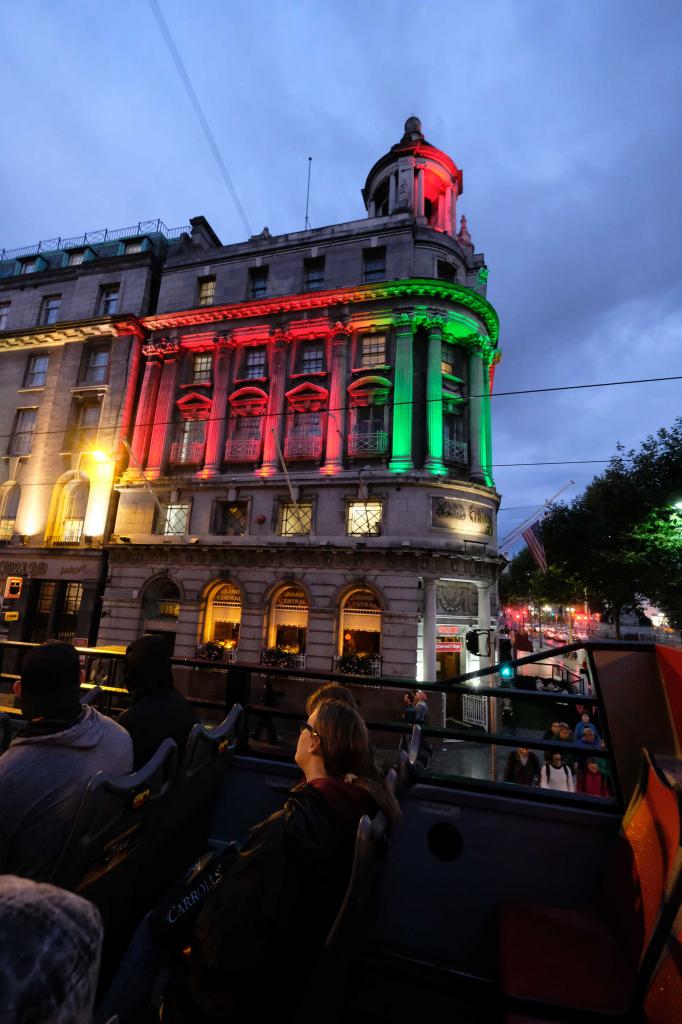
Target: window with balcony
(108, 299)
(190, 443)
(295, 519)
(202, 366)
(22, 435)
(372, 350)
(4, 313)
(374, 264)
(311, 357)
(36, 371)
(368, 435)
(71, 514)
(206, 290)
(258, 282)
(95, 364)
(255, 363)
(230, 518)
(454, 444)
(304, 437)
(173, 519)
(364, 518)
(9, 503)
(49, 310)
(313, 274)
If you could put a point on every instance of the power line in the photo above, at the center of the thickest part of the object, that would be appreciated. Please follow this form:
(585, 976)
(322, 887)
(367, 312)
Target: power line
(194, 100)
(578, 387)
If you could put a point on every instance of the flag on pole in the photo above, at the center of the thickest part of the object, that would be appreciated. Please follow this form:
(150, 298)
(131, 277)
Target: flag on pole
(531, 535)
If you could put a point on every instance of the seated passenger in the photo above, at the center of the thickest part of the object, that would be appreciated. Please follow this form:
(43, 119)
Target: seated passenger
(523, 767)
(566, 736)
(591, 780)
(556, 774)
(551, 734)
(270, 917)
(584, 723)
(49, 763)
(330, 691)
(51, 942)
(158, 711)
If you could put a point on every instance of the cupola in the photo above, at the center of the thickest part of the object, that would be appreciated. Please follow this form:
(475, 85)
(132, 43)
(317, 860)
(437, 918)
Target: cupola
(415, 177)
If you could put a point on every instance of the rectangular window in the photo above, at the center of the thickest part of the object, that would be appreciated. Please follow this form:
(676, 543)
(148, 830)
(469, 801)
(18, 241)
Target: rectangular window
(49, 310)
(6, 529)
(369, 419)
(96, 365)
(295, 520)
(73, 595)
(108, 300)
(373, 350)
(312, 358)
(28, 266)
(4, 313)
(258, 282)
(230, 518)
(76, 258)
(447, 360)
(46, 597)
(445, 271)
(132, 247)
(206, 290)
(201, 368)
(36, 372)
(364, 518)
(87, 426)
(374, 264)
(24, 425)
(175, 519)
(313, 274)
(254, 363)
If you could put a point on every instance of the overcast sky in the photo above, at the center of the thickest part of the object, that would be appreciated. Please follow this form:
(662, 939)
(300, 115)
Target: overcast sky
(565, 116)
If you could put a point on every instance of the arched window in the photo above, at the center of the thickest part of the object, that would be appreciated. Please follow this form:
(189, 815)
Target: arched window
(223, 617)
(289, 620)
(360, 625)
(162, 601)
(71, 514)
(9, 503)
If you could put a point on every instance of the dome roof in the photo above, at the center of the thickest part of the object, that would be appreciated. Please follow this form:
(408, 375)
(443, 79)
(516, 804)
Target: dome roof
(413, 143)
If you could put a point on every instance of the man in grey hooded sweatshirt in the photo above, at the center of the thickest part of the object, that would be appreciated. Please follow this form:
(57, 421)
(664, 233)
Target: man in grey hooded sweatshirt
(48, 765)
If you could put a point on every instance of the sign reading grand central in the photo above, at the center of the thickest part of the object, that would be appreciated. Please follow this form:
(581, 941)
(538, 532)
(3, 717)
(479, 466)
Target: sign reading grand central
(458, 516)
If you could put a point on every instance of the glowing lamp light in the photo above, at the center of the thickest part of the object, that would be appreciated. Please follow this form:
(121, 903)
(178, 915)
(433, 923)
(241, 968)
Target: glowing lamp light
(678, 505)
(506, 672)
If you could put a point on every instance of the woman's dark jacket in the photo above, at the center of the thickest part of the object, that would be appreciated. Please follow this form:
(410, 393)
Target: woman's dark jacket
(154, 716)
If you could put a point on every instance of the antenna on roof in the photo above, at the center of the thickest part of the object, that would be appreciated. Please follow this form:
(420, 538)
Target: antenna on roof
(307, 198)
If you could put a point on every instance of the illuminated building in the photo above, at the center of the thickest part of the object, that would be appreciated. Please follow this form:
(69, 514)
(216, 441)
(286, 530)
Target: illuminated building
(358, 357)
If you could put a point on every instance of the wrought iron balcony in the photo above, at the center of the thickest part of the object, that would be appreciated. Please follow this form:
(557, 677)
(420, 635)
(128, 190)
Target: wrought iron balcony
(358, 666)
(301, 447)
(368, 444)
(243, 449)
(187, 454)
(455, 451)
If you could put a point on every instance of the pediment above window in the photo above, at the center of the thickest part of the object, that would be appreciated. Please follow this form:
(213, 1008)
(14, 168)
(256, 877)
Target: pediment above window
(307, 397)
(370, 390)
(194, 406)
(248, 402)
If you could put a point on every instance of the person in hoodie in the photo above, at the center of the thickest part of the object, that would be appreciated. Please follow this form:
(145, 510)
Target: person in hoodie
(158, 710)
(270, 917)
(45, 770)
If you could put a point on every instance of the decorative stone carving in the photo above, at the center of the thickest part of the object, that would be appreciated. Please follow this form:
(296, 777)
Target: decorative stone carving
(456, 598)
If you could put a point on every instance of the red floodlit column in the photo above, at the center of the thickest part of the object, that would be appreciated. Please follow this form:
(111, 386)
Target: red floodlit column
(275, 413)
(163, 418)
(215, 432)
(336, 421)
(144, 417)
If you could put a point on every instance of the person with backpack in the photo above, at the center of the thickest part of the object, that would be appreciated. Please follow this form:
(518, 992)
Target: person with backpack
(557, 775)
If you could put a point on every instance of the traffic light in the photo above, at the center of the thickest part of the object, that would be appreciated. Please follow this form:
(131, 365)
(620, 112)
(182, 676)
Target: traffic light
(505, 655)
(472, 642)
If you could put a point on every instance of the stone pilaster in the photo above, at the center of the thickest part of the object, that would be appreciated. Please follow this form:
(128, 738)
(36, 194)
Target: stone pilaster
(403, 391)
(476, 425)
(275, 415)
(215, 429)
(429, 631)
(434, 401)
(163, 417)
(336, 420)
(144, 417)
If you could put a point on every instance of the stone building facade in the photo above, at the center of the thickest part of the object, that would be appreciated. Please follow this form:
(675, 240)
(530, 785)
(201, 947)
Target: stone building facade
(310, 477)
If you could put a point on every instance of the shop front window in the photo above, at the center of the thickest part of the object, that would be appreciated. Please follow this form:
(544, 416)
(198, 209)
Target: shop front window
(223, 619)
(289, 625)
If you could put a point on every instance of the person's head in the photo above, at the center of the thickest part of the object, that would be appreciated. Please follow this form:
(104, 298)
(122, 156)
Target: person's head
(330, 691)
(554, 727)
(522, 751)
(50, 682)
(584, 718)
(592, 766)
(588, 734)
(564, 731)
(51, 942)
(557, 760)
(333, 742)
(419, 697)
(147, 664)
(408, 698)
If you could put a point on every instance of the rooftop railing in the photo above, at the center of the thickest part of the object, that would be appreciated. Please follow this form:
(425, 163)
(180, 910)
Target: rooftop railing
(143, 227)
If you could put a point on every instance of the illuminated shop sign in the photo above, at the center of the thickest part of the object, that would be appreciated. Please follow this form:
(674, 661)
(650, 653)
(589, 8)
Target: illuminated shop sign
(458, 516)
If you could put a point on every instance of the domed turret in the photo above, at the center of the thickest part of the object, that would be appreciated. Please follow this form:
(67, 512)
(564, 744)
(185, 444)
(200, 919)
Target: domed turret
(415, 177)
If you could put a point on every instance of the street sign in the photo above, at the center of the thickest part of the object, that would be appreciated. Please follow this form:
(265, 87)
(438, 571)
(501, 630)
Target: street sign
(448, 645)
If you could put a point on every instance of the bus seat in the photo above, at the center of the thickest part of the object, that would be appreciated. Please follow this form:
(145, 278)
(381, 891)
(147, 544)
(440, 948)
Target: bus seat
(92, 696)
(399, 780)
(101, 857)
(663, 1000)
(595, 958)
(670, 666)
(5, 732)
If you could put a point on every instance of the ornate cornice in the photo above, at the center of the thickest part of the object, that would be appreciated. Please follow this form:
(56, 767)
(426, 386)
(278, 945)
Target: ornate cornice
(163, 348)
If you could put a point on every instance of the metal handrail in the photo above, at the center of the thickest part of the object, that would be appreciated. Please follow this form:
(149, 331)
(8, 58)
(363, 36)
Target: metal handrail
(143, 227)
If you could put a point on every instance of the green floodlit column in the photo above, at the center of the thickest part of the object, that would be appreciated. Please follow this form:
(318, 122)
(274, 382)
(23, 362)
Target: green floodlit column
(403, 392)
(486, 430)
(434, 404)
(476, 417)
